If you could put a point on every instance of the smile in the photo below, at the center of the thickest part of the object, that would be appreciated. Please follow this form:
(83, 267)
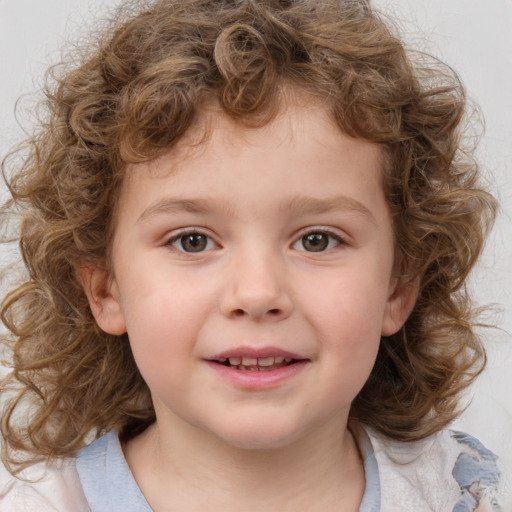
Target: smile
(254, 369)
(253, 364)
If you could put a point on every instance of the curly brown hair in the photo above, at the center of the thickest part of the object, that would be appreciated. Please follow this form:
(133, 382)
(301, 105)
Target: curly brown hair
(134, 93)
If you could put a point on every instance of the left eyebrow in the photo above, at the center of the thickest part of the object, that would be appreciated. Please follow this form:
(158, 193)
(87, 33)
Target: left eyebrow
(313, 205)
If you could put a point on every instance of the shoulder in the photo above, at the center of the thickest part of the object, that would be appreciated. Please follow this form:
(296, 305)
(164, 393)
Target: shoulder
(446, 471)
(46, 488)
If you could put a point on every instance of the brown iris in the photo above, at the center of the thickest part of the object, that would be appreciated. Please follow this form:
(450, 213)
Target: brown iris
(194, 242)
(315, 242)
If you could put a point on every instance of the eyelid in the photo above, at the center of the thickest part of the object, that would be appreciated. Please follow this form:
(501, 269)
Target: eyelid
(336, 233)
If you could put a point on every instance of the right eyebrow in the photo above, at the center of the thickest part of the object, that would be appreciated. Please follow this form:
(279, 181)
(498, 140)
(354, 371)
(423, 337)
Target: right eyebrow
(173, 205)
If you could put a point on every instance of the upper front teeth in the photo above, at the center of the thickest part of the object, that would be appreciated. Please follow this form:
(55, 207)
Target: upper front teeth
(260, 361)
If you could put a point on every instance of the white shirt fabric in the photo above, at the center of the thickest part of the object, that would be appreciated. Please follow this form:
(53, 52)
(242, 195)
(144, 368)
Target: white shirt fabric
(447, 472)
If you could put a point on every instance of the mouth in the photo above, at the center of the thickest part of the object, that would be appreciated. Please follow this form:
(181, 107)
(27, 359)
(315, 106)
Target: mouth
(261, 368)
(256, 364)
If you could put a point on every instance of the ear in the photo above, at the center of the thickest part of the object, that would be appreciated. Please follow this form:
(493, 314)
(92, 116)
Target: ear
(400, 303)
(103, 297)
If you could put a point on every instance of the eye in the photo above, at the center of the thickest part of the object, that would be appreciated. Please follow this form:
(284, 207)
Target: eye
(317, 241)
(192, 242)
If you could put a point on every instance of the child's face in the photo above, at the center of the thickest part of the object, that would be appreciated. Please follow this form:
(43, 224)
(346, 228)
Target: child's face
(264, 244)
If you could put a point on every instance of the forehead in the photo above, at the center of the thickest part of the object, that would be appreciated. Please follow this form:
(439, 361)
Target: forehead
(301, 118)
(300, 153)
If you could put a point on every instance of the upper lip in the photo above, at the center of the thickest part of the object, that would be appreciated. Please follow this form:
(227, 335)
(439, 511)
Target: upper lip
(253, 352)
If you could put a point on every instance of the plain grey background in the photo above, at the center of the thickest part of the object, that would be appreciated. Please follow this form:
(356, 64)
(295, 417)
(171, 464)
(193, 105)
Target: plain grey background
(474, 36)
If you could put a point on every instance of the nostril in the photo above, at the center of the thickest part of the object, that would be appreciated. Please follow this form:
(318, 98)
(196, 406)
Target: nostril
(241, 312)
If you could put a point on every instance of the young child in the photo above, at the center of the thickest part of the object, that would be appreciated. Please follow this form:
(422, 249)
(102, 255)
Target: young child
(247, 226)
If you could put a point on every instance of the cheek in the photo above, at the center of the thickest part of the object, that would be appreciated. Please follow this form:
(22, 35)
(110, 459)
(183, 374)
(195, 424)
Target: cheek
(348, 302)
(348, 318)
(163, 319)
(161, 298)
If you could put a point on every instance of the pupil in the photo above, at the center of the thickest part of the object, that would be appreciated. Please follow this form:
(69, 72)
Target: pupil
(315, 242)
(193, 243)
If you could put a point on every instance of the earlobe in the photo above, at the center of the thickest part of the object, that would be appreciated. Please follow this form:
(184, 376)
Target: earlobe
(103, 297)
(399, 306)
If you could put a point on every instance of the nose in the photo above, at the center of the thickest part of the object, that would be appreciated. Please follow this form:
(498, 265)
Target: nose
(257, 289)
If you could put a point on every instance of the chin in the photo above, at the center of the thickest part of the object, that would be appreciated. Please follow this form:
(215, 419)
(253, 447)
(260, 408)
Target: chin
(258, 436)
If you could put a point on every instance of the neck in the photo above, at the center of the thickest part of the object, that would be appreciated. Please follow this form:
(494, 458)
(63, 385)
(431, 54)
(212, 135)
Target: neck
(192, 469)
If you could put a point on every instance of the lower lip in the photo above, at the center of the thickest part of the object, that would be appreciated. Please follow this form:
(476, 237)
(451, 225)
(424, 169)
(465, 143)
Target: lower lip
(258, 380)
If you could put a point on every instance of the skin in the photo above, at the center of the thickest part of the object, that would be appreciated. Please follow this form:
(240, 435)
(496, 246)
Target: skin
(253, 195)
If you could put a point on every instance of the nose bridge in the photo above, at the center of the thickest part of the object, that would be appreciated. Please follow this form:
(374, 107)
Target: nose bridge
(257, 284)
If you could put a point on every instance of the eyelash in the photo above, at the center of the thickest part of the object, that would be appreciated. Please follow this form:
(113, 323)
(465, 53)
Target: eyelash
(181, 236)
